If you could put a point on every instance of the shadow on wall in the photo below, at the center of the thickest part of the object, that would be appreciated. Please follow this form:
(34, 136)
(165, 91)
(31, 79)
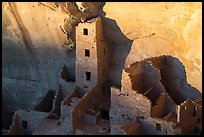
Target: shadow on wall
(121, 47)
(173, 77)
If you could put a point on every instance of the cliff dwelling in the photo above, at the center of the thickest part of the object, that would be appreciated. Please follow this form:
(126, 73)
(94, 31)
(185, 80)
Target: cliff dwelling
(88, 68)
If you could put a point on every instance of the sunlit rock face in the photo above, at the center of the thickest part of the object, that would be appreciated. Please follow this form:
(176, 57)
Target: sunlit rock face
(162, 29)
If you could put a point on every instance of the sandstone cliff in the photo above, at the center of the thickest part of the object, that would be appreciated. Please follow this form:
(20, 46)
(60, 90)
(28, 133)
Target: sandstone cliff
(34, 42)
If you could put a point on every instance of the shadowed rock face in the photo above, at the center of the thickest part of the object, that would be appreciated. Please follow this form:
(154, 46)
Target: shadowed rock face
(163, 73)
(33, 34)
(32, 53)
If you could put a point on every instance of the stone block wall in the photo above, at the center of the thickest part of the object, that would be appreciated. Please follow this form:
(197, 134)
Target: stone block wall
(97, 60)
(32, 118)
(83, 63)
(157, 126)
(90, 99)
(170, 105)
(187, 117)
(91, 119)
(125, 106)
(158, 109)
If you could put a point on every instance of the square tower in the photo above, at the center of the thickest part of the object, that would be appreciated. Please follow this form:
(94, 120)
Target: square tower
(92, 53)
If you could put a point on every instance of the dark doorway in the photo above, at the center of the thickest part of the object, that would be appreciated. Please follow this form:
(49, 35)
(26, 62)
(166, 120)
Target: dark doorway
(24, 124)
(105, 115)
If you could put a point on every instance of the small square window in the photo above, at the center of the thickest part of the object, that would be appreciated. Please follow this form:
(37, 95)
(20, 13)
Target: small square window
(88, 76)
(85, 31)
(87, 53)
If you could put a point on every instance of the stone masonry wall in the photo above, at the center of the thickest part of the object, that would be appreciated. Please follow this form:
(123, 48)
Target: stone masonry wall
(186, 115)
(124, 106)
(33, 118)
(103, 52)
(86, 101)
(86, 64)
(158, 109)
(149, 126)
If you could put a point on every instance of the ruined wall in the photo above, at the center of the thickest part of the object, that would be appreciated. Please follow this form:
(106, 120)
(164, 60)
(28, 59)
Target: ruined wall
(145, 79)
(185, 111)
(66, 110)
(91, 119)
(149, 127)
(124, 106)
(159, 108)
(170, 106)
(66, 117)
(33, 118)
(163, 107)
(92, 99)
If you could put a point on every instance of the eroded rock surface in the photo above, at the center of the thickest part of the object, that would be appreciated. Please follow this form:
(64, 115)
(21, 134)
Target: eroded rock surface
(35, 36)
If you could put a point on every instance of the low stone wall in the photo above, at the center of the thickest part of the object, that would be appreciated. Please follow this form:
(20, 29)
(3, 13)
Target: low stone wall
(66, 106)
(156, 126)
(188, 117)
(32, 119)
(93, 97)
(91, 119)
